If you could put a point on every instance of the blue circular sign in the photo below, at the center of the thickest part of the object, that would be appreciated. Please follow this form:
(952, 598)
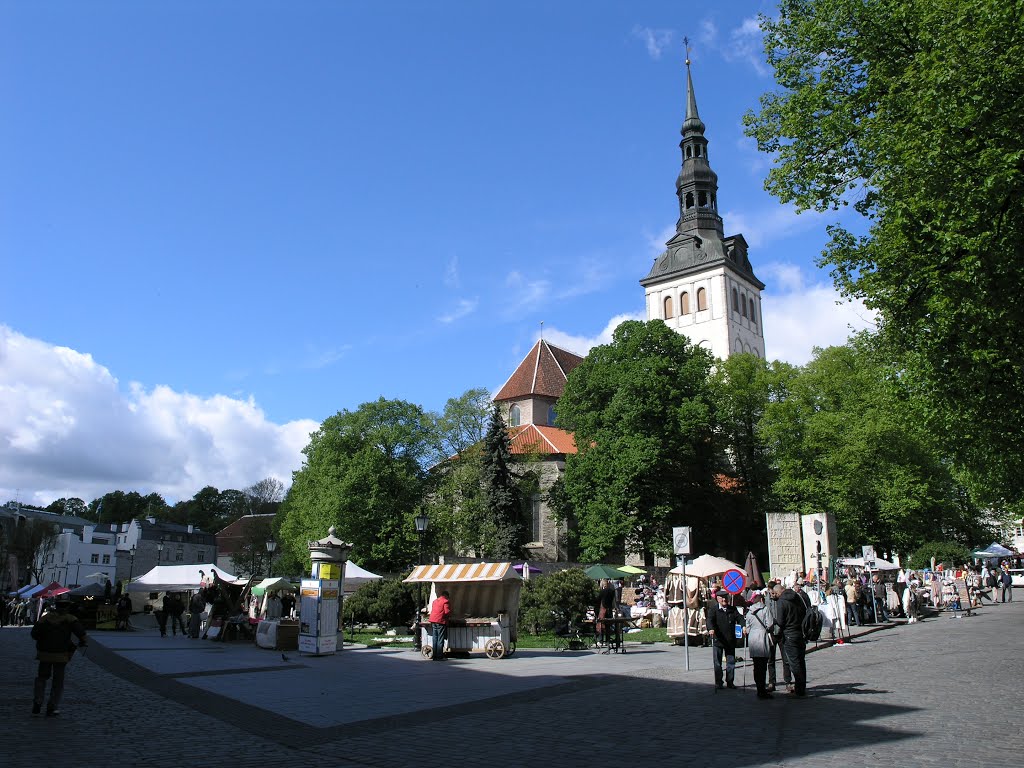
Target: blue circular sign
(734, 581)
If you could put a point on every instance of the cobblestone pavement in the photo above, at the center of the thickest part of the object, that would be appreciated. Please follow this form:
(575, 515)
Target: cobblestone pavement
(940, 692)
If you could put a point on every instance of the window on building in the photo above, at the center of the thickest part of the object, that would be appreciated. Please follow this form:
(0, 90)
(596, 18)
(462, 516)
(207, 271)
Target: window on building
(668, 308)
(179, 556)
(753, 317)
(702, 299)
(515, 416)
(535, 518)
(684, 303)
(702, 199)
(94, 558)
(689, 151)
(735, 301)
(743, 305)
(699, 148)
(106, 559)
(689, 200)
(202, 556)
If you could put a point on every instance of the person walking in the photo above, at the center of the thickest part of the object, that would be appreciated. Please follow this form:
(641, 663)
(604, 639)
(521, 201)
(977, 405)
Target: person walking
(760, 640)
(440, 612)
(722, 619)
(54, 648)
(196, 606)
(605, 609)
(852, 589)
(790, 617)
(177, 611)
(1006, 582)
(878, 594)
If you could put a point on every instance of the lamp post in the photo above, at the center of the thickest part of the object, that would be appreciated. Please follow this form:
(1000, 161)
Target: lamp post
(78, 567)
(131, 562)
(422, 521)
(271, 547)
(159, 550)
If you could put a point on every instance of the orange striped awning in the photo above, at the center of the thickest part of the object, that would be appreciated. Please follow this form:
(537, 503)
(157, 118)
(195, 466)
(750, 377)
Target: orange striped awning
(453, 572)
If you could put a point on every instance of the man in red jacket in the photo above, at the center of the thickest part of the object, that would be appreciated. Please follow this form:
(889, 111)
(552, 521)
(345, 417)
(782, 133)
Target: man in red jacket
(440, 610)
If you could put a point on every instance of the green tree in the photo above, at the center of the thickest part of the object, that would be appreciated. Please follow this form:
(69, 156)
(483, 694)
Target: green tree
(912, 109)
(502, 492)
(363, 473)
(947, 552)
(642, 411)
(554, 599)
(847, 439)
(386, 602)
(73, 506)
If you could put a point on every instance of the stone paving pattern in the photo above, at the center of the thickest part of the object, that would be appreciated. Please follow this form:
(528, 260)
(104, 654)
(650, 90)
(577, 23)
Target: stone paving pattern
(940, 692)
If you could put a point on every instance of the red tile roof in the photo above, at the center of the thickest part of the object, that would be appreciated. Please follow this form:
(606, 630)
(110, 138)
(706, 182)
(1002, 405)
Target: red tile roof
(542, 372)
(533, 438)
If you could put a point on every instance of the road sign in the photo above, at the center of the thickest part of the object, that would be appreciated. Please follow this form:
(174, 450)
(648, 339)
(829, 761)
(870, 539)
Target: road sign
(734, 581)
(867, 552)
(681, 540)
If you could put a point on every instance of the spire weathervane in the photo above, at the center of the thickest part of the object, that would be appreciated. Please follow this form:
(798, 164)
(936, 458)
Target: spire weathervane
(686, 42)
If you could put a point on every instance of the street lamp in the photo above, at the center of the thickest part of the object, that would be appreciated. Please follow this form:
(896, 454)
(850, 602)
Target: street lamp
(422, 523)
(271, 546)
(78, 567)
(159, 550)
(131, 563)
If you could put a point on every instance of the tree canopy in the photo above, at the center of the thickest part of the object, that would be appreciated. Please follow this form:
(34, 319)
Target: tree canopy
(911, 110)
(642, 412)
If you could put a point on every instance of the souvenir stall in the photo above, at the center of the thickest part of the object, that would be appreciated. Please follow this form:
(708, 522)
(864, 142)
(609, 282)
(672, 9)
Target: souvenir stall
(275, 630)
(485, 606)
(686, 602)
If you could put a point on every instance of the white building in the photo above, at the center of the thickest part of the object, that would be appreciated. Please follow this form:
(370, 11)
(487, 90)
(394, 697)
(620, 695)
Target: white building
(73, 558)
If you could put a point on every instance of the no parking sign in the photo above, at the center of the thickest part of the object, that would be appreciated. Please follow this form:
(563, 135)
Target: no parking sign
(734, 581)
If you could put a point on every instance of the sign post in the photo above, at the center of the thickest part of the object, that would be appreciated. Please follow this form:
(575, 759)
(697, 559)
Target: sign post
(681, 540)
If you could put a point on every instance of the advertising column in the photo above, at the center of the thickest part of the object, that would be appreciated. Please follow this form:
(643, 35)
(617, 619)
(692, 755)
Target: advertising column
(320, 596)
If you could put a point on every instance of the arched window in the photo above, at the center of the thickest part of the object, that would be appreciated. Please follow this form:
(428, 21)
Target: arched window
(714, 201)
(515, 416)
(702, 199)
(668, 307)
(735, 301)
(737, 346)
(702, 299)
(689, 200)
(698, 150)
(684, 303)
(753, 316)
(689, 151)
(743, 305)
(552, 415)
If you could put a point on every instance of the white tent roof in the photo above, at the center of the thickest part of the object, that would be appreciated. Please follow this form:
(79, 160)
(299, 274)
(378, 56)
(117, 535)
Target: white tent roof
(357, 575)
(858, 562)
(178, 578)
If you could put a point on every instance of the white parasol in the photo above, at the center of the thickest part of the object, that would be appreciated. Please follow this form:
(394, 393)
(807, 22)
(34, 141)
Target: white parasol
(706, 566)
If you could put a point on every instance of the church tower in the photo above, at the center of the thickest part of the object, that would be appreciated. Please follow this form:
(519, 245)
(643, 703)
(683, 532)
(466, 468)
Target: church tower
(703, 285)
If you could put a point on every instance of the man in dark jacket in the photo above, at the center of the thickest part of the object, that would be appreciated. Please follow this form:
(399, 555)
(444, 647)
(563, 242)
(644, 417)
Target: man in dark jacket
(52, 634)
(790, 611)
(722, 619)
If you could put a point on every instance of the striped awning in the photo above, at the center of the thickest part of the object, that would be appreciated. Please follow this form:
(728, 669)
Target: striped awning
(454, 572)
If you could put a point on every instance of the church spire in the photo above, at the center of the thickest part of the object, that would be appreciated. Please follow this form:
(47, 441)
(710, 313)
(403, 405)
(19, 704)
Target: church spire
(692, 121)
(697, 184)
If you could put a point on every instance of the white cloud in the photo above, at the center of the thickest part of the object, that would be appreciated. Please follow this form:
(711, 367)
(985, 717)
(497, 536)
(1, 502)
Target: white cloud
(523, 294)
(67, 428)
(451, 272)
(583, 344)
(655, 40)
(745, 45)
(764, 225)
(799, 317)
(462, 308)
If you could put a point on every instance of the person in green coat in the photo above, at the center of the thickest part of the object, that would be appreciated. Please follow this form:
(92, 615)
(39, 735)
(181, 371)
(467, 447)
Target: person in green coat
(54, 649)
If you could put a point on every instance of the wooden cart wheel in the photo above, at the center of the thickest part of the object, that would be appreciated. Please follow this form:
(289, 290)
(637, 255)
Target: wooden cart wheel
(427, 650)
(511, 649)
(495, 649)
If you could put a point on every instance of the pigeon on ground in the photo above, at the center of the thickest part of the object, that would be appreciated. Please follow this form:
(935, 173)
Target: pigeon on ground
(285, 658)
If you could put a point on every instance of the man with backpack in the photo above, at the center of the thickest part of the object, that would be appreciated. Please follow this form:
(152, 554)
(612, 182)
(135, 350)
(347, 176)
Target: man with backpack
(791, 609)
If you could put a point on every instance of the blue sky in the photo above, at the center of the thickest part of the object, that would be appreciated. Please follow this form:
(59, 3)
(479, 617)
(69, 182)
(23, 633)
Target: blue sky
(221, 223)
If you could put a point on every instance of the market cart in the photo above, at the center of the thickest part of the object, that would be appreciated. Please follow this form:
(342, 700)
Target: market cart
(485, 606)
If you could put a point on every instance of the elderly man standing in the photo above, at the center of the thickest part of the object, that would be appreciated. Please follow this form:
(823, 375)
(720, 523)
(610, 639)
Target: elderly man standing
(722, 620)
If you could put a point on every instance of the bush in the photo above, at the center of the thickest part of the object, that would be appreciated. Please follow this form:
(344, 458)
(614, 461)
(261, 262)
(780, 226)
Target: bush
(946, 552)
(387, 602)
(545, 599)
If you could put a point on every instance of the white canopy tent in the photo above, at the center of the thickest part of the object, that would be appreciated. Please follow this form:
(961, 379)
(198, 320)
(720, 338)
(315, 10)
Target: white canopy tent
(179, 578)
(858, 562)
(355, 577)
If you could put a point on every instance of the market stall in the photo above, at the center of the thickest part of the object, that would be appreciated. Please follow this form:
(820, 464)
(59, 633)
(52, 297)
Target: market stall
(485, 606)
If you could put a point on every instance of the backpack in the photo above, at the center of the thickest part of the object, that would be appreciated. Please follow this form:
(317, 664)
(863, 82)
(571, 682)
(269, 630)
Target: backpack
(812, 624)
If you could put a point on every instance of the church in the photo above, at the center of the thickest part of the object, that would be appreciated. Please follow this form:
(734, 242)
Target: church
(702, 286)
